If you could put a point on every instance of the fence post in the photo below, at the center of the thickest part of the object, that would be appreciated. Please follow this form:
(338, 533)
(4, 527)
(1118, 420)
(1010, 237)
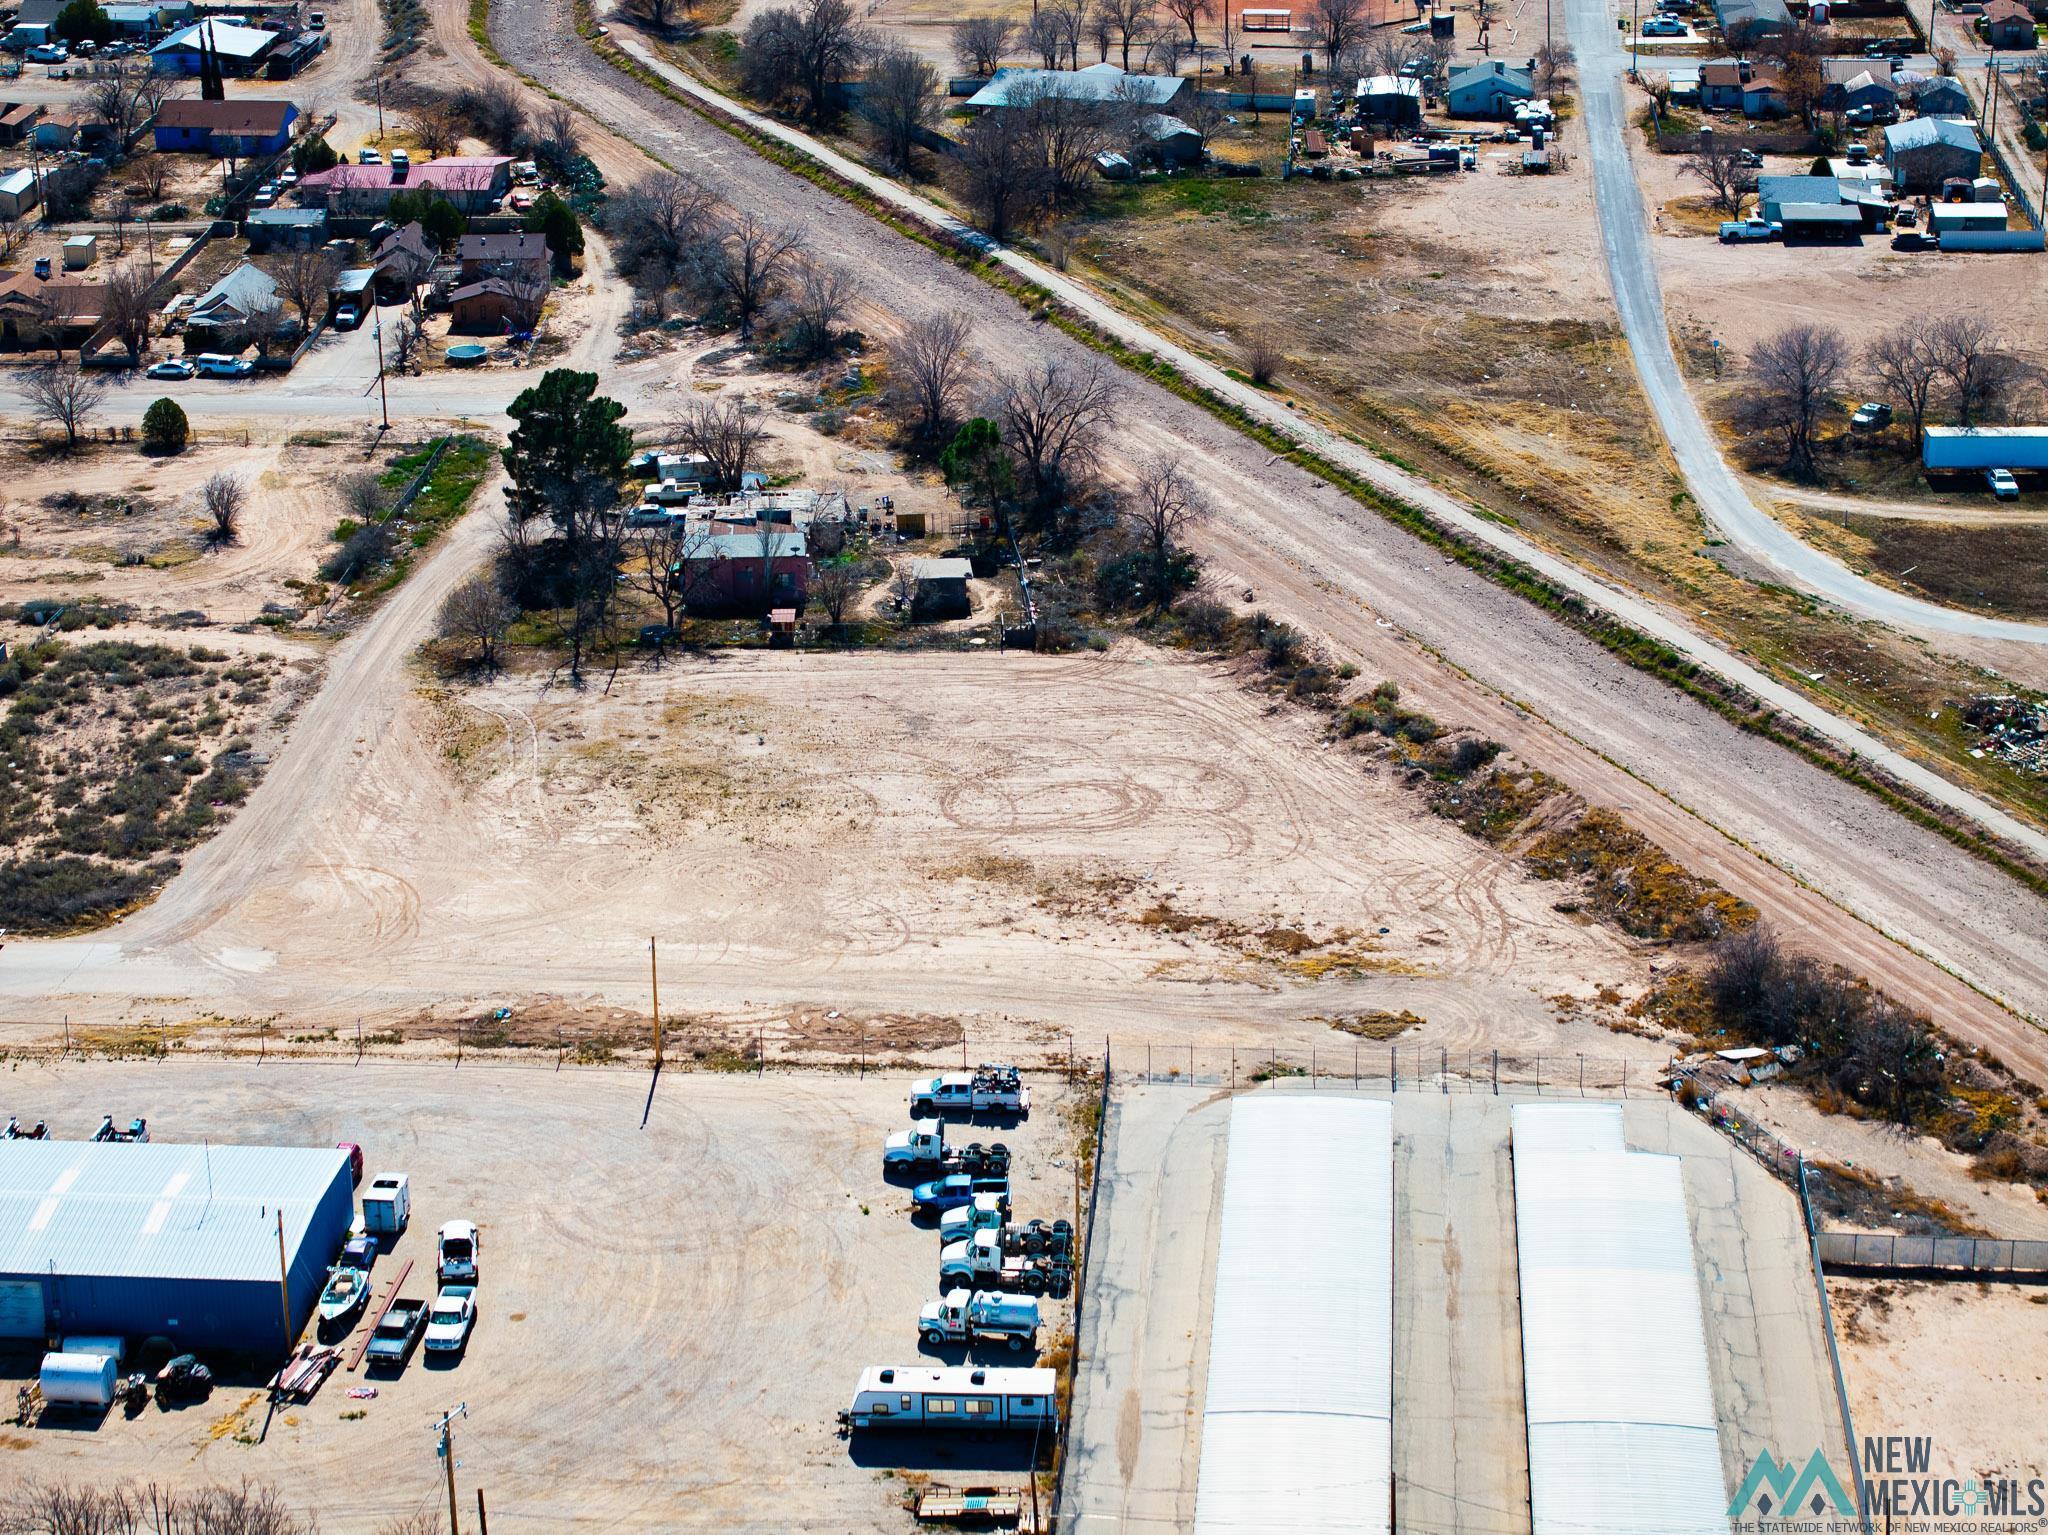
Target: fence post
(1311, 1066)
(1443, 1068)
(1148, 1063)
(1233, 1068)
(1624, 1076)
(67, 1033)
(1496, 1072)
(1354, 1068)
(262, 1039)
(558, 1047)
(1191, 1063)
(1582, 1073)
(1394, 1067)
(461, 1036)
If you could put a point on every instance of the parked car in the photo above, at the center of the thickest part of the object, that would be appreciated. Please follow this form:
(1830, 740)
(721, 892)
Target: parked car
(397, 1335)
(316, 21)
(1749, 157)
(449, 1323)
(1737, 231)
(459, 1247)
(369, 157)
(265, 196)
(288, 177)
(47, 53)
(1912, 240)
(1905, 216)
(1871, 416)
(1665, 26)
(170, 367)
(220, 365)
(2002, 484)
(520, 202)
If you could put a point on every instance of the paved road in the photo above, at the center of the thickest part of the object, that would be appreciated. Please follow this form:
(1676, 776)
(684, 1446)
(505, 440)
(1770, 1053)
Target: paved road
(1632, 269)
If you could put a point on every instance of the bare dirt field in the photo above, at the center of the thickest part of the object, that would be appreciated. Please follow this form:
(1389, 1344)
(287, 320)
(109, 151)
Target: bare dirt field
(1961, 1364)
(670, 1317)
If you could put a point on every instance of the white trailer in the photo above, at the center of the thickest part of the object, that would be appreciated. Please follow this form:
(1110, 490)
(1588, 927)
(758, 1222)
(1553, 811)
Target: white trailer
(962, 1397)
(968, 1317)
(1960, 449)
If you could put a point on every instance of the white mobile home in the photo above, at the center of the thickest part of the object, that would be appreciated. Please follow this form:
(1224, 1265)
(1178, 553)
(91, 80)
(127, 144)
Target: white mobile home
(958, 1397)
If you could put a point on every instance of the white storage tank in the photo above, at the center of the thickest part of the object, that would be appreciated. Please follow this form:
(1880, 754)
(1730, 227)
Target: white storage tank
(78, 1380)
(112, 1347)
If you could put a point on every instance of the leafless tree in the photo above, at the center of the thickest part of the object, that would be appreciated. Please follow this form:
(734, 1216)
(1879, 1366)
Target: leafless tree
(1132, 21)
(477, 612)
(1907, 367)
(1163, 504)
(980, 43)
(1718, 163)
(1189, 12)
(1101, 32)
(1263, 357)
(930, 364)
(265, 327)
(750, 265)
(304, 278)
(526, 297)
(1968, 350)
(658, 566)
(774, 540)
(1334, 26)
(495, 111)
(406, 341)
(813, 312)
(126, 310)
(726, 432)
(1166, 51)
(802, 51)
(436, 128)
(1052, 413)
(834, 587)
(126, 98)
(901, 102)
(658, 226)
(363, 497)
(1554, 65)
(1070, 21)
(225, 497)
(997, 171)
(660, 16)
(63, 397)
(1066, 132)
(1042, 34)
(1794, 378)
(10, 234)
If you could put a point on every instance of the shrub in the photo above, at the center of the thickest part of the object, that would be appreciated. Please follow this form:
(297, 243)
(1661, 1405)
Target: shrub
(164, 428)
(364, 550)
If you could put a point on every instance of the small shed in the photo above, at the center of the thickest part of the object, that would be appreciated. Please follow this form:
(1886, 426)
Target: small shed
(19, 192)
(1169, 140)
(483, 307)
(2007, 24)
(1390, 99)
(940, 588)
(80, 252)
(270, 229)
(1955, 218)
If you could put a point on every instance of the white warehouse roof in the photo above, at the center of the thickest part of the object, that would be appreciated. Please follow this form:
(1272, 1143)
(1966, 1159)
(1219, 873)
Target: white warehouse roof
(1622, 1435)
(1297, 1428)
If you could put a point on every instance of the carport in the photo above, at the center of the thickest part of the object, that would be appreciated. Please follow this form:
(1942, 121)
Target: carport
(1821, 222)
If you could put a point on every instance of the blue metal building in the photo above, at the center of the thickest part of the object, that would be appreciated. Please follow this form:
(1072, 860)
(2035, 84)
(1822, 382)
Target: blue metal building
(143, 1240)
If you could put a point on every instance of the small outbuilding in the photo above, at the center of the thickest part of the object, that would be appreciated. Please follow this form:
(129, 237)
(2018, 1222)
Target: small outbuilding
(152, 1240)
(20, 191)
(269, 229)
(939, 588)
(1391, 99)
(1169, 141)
(2007, 24)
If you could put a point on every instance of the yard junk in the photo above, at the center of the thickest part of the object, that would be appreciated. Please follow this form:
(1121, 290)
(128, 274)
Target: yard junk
(304, 1373)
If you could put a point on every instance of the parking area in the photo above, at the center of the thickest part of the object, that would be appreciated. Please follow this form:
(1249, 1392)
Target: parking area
(669, 1319)
(1460, 1445)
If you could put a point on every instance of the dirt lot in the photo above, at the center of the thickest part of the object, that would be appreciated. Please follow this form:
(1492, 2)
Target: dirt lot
(1958, 1363)
(670, 1317)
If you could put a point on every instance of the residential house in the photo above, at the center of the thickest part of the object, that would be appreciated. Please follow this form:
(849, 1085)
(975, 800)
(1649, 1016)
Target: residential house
(488, 307)
(268, 229)
(403, 260)
(2007, 24)
(939, 588)
(55, 132)
(473, 183)
(20, 191)
(1721, 83)
(1763, 93)
(1391, 99)
(18, 121)
(1850, 83)
(1938, 96)
(1928, 151)
(1774, 192)
(39, 13)
(752, 570)
(520, 255)
(1489, 90)
(245, 293)
(1101, 83)
(1742, 22)
(241, 127)
(33, 311)
(240, 51)
(136, 23)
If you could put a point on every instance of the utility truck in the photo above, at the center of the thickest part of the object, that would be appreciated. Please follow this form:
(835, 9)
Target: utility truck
(924, 1145)
(974, 1316)
(986, 1261)
(989, 1090)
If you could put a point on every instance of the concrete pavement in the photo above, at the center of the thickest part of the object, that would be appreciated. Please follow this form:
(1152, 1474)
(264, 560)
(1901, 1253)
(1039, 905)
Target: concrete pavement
(1632, 270)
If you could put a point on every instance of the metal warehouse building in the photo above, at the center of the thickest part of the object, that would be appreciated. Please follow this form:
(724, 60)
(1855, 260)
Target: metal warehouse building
(177, 1241)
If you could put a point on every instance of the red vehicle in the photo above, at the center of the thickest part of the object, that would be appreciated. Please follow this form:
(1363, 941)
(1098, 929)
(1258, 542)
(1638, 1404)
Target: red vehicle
(355, 1160)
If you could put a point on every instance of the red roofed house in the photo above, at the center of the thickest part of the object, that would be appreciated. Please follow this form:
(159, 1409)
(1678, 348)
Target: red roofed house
(473, 183)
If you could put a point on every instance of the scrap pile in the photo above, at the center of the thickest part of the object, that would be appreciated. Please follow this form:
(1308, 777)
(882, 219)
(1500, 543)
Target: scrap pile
(304, 1372)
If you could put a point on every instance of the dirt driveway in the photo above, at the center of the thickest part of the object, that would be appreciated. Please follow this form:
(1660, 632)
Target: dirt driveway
(670, 1317)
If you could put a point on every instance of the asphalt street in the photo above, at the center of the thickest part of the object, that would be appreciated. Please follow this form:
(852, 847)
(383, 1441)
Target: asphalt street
(1632, 270)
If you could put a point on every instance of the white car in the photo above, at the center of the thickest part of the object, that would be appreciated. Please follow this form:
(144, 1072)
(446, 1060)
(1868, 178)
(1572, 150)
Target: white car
(1664, 26)
(220, 365)
(2002, 484)
(47, 53)
(171, 367)
(449, 1323)
(369, 157)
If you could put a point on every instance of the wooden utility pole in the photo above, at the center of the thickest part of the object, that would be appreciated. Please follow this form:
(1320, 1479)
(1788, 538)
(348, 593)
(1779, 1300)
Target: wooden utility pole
(284, 1284)
(483, 1522)
(446, 1449)
(654, 967)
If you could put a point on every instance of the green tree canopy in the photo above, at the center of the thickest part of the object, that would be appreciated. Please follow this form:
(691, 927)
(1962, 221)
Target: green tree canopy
(567, 451)
(164, 427)
(312, 155)
(83, 20)
(552, 217)
(439, 219)
(974, 463)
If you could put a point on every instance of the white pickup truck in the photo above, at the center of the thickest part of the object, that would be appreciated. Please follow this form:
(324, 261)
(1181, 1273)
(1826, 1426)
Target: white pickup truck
(992, 1089)
(1737, 231)
(964, 1316)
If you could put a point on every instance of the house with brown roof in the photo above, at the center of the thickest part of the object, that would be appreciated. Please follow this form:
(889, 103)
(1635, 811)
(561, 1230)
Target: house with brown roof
(17, 120)
(503, 255)
(242, 127)
(1721, 82)
(402, 261)
(2007, 24)
(34, 312)
(491, 305)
